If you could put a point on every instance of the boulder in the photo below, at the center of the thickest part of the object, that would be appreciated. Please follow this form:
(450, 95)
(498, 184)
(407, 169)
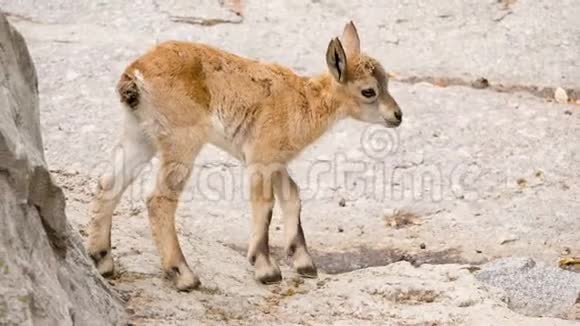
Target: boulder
(45, 275)
(534, 289)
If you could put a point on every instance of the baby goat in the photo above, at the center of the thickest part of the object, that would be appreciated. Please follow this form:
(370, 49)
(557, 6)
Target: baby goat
(180, 96)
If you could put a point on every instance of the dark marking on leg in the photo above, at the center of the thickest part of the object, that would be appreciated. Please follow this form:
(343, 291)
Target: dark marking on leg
(269, 215)
(172, 273)
(297, 241)
(95, 258)
(262, 248)
(291, 250)
(98, 256)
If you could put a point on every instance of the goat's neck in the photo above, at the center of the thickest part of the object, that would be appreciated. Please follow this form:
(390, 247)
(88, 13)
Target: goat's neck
(324, 108)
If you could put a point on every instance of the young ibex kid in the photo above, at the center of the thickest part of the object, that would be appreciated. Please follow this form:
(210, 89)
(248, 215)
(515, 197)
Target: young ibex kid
(180, 96)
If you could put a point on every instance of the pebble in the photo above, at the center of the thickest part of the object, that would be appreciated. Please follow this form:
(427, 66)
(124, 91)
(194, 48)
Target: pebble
(566, 251)
(560, 95)
(508, 239)
(480, 83)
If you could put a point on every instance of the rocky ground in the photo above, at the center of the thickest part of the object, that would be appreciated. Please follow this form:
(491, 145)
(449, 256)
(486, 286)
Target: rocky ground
(399, 221)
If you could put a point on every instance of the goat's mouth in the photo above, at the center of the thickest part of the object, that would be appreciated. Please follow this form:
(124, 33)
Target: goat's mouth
(393, 124)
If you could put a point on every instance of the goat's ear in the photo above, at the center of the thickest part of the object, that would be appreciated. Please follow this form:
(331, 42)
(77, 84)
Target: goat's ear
(350, 40)
(336, 60)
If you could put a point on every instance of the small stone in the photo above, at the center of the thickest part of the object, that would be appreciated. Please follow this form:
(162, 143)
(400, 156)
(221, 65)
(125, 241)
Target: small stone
(560, 95)
(478, 251)
(340, 229)
(509, 238)
(568, 112)
(565, 186)
(422, 246)
(480, 83)
(566, 251)
(342, 202)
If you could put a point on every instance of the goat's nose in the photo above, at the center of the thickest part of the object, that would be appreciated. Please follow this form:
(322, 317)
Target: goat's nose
(399, 115)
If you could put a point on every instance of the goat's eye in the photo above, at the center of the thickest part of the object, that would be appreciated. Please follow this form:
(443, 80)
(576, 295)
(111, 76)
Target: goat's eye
(368, 93)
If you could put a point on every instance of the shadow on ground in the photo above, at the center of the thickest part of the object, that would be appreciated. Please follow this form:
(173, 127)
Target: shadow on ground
(360, 257)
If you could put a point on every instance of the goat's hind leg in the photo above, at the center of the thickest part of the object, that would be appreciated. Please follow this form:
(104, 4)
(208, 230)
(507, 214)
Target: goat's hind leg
(177, 154)
(130, 156)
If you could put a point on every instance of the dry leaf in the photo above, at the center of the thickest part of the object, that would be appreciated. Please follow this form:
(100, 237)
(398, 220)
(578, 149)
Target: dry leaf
(402, 218)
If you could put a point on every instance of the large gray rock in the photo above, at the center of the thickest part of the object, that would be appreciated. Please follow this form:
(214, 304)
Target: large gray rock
(45, 276)
(534, 289)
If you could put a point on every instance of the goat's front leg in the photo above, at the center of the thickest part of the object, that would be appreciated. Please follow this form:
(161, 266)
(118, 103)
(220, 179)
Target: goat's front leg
(287, 195)
(262, 197)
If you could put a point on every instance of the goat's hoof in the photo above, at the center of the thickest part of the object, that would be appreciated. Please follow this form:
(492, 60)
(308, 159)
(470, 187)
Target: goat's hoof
(269, 274)
(308, 271)
(304, 266)
(103, 261)
(183, 278)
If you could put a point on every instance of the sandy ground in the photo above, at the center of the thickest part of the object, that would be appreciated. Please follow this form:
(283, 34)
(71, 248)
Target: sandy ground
(470, 176)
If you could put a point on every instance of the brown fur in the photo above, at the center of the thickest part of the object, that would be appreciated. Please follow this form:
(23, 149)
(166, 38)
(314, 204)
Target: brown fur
(183, 95)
